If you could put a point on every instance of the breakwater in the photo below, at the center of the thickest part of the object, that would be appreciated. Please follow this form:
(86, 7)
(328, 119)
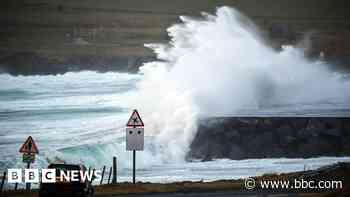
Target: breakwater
(271, 137)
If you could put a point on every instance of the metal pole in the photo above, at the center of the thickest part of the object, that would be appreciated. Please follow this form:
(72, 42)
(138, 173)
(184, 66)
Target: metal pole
(103, 173)
(110, 173)
(134, 167)
(28, 184)
(16, 186)
(114, 179)
(3, 181)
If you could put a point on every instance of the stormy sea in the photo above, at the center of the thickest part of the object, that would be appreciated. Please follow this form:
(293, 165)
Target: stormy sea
(217, 65)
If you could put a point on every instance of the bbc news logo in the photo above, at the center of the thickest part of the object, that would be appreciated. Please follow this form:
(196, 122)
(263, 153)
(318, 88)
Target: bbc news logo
(51, 176)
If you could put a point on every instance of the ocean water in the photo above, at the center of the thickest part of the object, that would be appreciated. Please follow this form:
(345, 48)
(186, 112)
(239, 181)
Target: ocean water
(214, 66)
(63, 111)
(81, 117)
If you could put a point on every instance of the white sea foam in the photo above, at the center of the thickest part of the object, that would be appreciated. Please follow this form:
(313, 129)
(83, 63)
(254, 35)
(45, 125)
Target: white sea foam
(220, 66)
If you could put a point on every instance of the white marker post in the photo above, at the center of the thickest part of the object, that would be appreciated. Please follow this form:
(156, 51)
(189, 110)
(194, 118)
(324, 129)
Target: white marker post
(29, 149)
(134, 137)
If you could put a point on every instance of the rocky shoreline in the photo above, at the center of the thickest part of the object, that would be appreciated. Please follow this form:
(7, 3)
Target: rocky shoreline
(34, 64)
(271, 137)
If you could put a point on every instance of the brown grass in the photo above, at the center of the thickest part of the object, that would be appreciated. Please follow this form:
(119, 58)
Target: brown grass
(127, 188)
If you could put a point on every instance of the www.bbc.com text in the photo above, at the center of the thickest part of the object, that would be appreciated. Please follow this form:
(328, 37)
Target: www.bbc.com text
(251, 184)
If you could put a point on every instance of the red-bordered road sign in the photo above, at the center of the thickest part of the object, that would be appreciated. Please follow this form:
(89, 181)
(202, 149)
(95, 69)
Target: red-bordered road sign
(135, 120)
(29, 146)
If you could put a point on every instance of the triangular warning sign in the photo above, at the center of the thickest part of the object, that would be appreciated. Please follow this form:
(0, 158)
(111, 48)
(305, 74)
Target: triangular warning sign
(29, 146)
(135, 120)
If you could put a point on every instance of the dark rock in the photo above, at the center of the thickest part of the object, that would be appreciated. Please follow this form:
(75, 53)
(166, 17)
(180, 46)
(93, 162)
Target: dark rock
(346, 127)
(240, 138)
(333, 123)
(332, 132)
(233, 134)
(285, 131)
(217, 150)
(212, 122)
(320, 146)
(248, 122)
(315, 123)
(345, 145)
(265, 123)
(299, 123)
(304, 133)
(290, 139)
(207, 158)
(311, 132)
(236, 152)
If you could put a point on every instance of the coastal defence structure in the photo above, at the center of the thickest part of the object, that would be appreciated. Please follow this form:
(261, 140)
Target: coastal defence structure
(49, 36)
(271, 137)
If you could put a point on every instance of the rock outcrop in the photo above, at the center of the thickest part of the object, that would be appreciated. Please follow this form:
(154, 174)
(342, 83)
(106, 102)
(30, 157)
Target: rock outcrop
(271, 137)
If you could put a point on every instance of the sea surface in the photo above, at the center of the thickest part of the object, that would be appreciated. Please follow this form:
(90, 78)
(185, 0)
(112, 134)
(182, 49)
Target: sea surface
(80, 118)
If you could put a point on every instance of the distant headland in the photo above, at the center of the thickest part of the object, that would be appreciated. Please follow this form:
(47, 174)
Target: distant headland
(51, 37)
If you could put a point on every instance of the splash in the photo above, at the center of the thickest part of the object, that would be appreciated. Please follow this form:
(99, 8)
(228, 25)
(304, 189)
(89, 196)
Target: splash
(220, 66)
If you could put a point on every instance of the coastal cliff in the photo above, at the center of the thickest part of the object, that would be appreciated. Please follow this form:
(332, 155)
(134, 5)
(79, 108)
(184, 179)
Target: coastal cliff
(50, 37)
(271, 137)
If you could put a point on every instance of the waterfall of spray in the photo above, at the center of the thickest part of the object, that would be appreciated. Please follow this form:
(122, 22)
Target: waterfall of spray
(219, 66)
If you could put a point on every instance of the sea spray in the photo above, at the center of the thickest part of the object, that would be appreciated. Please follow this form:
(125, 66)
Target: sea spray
(220, 66)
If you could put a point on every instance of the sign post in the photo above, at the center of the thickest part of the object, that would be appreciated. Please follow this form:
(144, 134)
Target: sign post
(29, 149)
(133, 166)
(134, 138)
